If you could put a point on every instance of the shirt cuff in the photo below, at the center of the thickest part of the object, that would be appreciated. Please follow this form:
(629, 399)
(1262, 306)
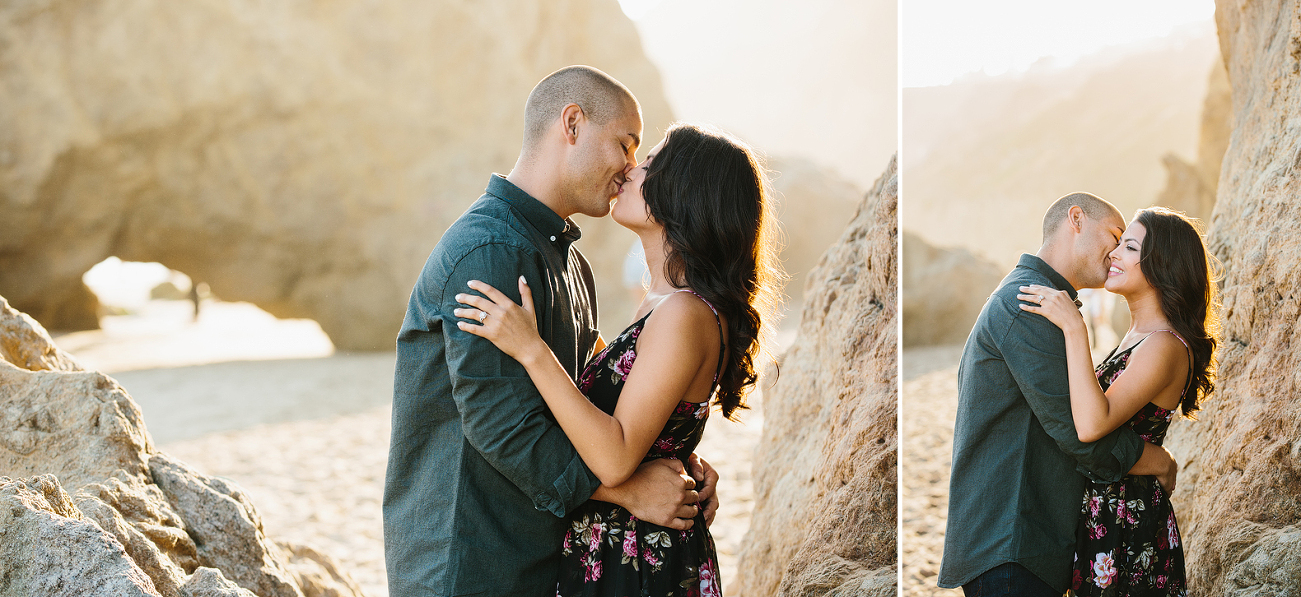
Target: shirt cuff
(573, 487)
(1126, 452)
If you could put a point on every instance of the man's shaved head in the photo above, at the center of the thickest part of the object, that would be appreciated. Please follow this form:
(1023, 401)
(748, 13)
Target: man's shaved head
(601, 97)
(1095, 207)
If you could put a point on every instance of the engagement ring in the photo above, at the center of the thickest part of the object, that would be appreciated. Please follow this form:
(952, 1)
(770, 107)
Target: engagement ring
(482, 316)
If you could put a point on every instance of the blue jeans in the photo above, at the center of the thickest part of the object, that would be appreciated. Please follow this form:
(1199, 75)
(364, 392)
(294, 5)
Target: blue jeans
(1008, 580)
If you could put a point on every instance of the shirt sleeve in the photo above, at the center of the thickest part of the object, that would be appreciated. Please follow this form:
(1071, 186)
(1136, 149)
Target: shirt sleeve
(1035, 351)
(502, 414)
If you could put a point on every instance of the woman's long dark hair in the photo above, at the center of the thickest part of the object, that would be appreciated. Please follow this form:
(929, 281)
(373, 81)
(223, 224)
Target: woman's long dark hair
(710, 194)
(1176, 263)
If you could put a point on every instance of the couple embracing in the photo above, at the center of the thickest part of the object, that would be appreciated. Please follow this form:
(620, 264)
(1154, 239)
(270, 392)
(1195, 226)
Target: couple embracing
(1059, 481)
(529, 456)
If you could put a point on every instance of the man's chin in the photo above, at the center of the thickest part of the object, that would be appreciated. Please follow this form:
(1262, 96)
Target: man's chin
(598, 211)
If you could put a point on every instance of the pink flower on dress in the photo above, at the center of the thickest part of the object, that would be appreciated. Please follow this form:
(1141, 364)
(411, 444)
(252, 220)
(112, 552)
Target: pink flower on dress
(630, 542)
(624, 364)
(595, 541)
(709, 586)
(1173, 530)
(1131, 511)
(592, 571)
(1104, 570)
(1095, 505)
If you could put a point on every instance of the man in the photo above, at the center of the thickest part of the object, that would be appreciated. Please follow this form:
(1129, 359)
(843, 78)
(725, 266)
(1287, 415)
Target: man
(480, 477)
(1019, 468)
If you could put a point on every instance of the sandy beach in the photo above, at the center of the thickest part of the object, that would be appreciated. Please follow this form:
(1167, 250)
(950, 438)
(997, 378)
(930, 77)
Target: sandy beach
(305, 430)
(928, 407)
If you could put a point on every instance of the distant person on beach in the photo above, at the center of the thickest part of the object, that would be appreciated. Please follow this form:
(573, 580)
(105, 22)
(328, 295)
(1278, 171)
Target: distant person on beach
(698, 205)
(1127, 538)
(481, 480)
(1020, 467)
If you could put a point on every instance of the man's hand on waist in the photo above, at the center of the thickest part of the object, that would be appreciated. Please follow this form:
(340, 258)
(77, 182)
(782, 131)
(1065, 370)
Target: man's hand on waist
(660, 492)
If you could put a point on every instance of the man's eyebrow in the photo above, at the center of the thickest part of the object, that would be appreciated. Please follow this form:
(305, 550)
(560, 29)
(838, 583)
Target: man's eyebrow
(636, 140)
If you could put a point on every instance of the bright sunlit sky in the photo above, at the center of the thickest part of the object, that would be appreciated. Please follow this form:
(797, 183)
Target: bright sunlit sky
(945, 39)
(814, 79)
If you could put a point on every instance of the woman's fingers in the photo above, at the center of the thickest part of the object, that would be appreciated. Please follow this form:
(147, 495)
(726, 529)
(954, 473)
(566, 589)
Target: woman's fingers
(526, 297)
(476, 301)
(474, 314)
(492, 293)
(471, 328)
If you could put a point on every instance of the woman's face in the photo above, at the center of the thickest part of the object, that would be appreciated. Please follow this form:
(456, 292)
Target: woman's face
(629, 209)
(1124, 276)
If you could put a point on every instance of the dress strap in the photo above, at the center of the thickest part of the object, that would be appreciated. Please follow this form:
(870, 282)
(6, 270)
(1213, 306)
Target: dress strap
(721, 347)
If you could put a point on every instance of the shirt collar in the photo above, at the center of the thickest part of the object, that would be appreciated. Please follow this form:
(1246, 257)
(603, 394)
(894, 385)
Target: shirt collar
(549, 223)
(1032, 262)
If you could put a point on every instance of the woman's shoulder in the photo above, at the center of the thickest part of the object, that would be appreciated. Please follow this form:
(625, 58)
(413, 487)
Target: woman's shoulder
(685, 307)
(1164, 349)
(684, 314)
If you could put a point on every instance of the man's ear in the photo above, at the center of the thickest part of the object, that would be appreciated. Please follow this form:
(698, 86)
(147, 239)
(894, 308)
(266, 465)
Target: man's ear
(1076, 217)
(572, 118)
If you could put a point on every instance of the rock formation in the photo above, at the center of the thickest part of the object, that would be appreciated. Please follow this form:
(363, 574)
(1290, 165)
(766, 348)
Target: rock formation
(303, 157)
(824, 520)
(137, 522)
(1239, 492)
(944, 290)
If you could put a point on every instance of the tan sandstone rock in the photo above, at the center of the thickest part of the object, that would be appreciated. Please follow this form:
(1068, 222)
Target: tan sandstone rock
(304, 156)
(139, 522)
(47, 548)
(824, 520)
(26, 344)
(943, 291)
(1239, 492)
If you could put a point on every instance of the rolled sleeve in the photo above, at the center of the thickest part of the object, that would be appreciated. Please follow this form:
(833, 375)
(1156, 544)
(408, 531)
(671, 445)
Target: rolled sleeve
(502, 414)
(1035, 350)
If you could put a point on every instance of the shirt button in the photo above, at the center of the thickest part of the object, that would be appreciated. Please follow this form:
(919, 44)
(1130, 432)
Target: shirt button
(553, 239)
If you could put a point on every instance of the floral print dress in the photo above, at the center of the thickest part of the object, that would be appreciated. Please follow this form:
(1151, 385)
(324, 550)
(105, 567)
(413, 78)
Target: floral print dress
(608, 551)
(1127, 540)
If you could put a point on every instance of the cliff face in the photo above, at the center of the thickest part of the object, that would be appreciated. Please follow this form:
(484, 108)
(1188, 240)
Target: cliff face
(1239, 500)
(300, 156)
(944, 290)
(824, 519)
(89, 508)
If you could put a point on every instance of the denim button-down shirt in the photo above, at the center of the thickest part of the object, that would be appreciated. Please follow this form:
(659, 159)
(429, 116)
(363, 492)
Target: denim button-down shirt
(480, 476)
(1019, 468)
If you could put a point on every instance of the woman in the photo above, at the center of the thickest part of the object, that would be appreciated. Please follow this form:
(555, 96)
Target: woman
(1127, 541)
(699, 207)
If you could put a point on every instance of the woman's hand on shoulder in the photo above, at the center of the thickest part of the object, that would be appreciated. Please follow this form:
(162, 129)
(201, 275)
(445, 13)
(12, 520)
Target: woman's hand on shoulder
(512, 328)
(1055, 305)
